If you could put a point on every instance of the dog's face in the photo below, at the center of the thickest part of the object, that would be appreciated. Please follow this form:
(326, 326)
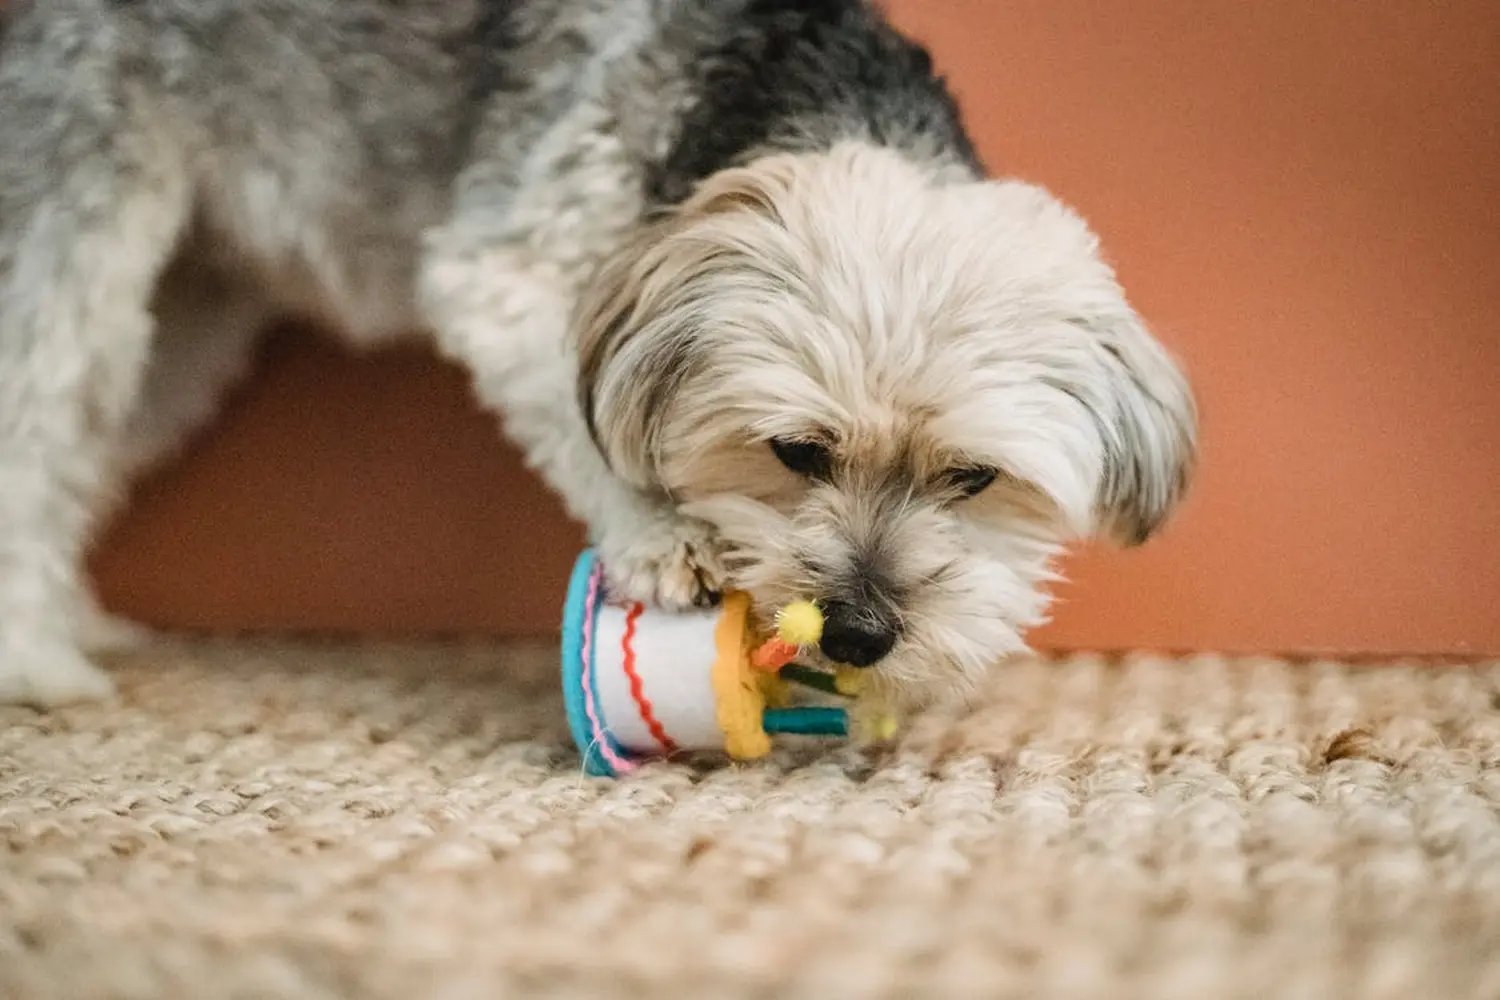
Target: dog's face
(893, 392)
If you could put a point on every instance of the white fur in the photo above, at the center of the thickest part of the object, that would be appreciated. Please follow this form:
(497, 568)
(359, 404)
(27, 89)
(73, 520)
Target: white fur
(917, 324)
(921, 320)
(134, 282)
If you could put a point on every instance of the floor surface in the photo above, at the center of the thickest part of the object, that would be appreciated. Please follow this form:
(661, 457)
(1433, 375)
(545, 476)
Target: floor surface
(314, 821)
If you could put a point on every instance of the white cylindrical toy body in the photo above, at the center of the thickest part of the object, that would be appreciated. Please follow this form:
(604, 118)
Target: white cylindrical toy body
(640, 683)
(653, 678)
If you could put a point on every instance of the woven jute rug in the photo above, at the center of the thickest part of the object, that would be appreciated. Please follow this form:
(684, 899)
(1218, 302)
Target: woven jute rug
(305, 821)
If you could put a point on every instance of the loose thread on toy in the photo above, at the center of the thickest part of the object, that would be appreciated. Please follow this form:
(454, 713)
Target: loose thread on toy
(583, 763)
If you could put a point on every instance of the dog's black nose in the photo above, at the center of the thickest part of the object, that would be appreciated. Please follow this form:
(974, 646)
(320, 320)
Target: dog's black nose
(853, 637)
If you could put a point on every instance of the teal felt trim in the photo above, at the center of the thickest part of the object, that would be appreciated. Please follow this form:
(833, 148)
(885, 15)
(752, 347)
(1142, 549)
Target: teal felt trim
(575, 620)
(809, 720)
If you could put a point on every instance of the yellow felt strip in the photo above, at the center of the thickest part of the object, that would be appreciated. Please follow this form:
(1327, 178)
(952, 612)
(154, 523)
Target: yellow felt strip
(740, 704)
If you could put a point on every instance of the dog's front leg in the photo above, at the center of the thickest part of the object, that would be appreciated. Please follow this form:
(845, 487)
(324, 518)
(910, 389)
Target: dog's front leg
(504, 315)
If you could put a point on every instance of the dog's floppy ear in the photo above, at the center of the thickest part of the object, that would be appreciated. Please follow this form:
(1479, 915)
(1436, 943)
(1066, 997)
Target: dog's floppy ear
(640, 322)
(1148, 424)
(628, 363)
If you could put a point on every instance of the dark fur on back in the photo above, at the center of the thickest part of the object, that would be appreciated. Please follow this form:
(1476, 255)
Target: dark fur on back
(795, 74)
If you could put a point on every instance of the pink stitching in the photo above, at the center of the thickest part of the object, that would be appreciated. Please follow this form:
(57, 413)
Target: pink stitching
(620, 764)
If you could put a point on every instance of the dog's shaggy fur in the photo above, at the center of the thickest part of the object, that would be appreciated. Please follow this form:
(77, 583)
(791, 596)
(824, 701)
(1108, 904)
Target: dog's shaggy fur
(728, 270)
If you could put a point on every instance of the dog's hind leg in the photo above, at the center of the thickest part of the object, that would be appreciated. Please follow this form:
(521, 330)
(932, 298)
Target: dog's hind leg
(93, 197)
(208, 324)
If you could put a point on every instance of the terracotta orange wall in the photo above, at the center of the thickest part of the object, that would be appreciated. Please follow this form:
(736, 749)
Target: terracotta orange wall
(1304, 198)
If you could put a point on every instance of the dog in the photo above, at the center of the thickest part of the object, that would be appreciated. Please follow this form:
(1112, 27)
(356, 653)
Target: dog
(729, 272)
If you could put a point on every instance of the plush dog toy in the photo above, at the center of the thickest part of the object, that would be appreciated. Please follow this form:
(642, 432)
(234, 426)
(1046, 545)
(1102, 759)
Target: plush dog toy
(640, 683)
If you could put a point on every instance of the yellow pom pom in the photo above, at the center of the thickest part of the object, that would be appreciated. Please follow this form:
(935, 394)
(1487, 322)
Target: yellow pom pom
(800, 623)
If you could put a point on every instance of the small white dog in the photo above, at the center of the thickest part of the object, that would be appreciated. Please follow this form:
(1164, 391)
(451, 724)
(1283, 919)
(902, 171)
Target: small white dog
(728, 270)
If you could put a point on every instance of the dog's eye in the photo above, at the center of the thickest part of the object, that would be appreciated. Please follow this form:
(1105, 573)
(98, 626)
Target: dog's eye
(805, 458)
(972, 482)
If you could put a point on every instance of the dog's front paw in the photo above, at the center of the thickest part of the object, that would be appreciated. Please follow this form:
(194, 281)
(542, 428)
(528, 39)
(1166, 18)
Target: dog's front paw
(672, 561)
(48, 674)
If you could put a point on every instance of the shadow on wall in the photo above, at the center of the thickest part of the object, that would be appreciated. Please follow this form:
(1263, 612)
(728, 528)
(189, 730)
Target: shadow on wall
(1304, 198)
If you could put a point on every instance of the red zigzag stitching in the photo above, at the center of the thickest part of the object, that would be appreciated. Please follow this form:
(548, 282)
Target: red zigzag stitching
(637, 691)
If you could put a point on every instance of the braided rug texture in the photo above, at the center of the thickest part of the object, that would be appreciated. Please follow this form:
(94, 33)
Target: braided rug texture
(255, 820)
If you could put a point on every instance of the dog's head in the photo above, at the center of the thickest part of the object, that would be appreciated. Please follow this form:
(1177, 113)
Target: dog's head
(894, 392)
